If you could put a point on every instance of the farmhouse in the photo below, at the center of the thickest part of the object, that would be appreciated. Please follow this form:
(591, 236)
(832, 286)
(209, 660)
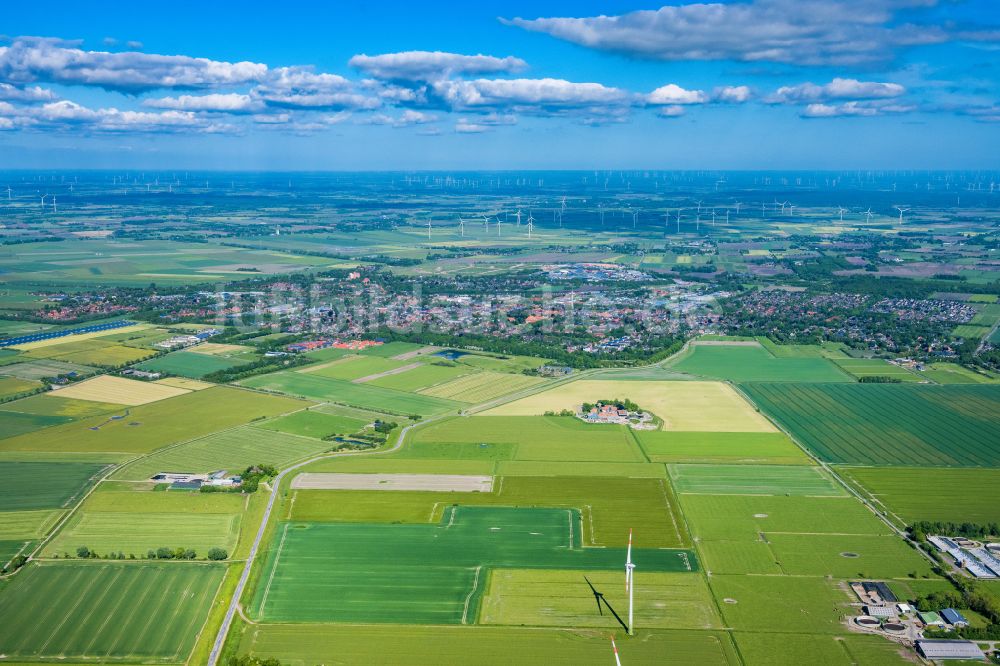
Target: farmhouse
(613, 411)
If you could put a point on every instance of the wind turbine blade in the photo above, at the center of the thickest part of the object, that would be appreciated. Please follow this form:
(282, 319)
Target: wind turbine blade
(618, 662)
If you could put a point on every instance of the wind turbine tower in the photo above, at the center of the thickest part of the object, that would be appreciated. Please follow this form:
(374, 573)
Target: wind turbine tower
(630, 583)
(531, 223)
(901, 211)
(841, 210)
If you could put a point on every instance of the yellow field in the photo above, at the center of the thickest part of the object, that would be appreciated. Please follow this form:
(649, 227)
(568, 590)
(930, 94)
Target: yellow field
(184, 383)
(80, 336)
(683, 406)
(118, 390)
(214, 348)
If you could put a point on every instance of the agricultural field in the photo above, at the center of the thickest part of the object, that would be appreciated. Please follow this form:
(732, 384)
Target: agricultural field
(789, 649)
(751, 603)
(148, 427)
(44, 485)
(135, 521)
(752, 448)
(44, 367)
(233, 450)
(753, 480)
(54, 404)
(482, 386)
(948, 495)
(131, 612)
(308, 385)
(190, 364)
(118, 390)
(423, 376)
(846, 556)
(683, 406)
(952, 373)
(11, 386)
(15, 423)
(356, 367)
(889, 424)
(875, 367)
(313, 423)
(746, 363)
(307, 580)
(27, 525)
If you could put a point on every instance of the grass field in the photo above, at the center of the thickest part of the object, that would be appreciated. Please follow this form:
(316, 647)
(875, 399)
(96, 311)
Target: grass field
(308, 578)
(482, 386)
(118, 390)
(10, 386)
(746, 363)
(106, 612)
(49, 404)
(40, 368)
(563, 599)
(875, 367)
(43, 485)
(846, 556)
(773, 448)
(919, 493)
(356, 367)
(789, 649)
(312, 423)
(134, 522)
(27, 524)
(308, 385)
(753, 480)
(390, 349)
(543, 438)
(684, 406)
(786, 603)
(189, 364)
(156, 424)
(427, 375)
(15, 423)
(610, 506)
(232, 450)
(952, 373)
(306, 644)
(889, 424)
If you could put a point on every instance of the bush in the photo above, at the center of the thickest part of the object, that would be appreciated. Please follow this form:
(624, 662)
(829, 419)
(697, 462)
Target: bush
(217, 553)
(83, 551)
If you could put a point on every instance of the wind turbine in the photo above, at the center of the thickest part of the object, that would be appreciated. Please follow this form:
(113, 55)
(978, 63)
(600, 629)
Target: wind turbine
(635, 216)
(531, 223)
(518, 216)
(901, 211)
(738, 204)
(629, 583)
(841, 210)
(600, 209)
(461, 226)
(498, 226)
(679, 219)
(791, 210)
(869, 213)
(8, 193)
(428, 228)
(43, 200)
(486, 222)
(699, 206)
(54, 210)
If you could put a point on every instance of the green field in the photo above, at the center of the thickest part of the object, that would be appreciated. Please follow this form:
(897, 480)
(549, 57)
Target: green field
(133, 612)
(308, 644)
(189, 364)
(429, 374)
(786, 603)
(610, 505)
(789, 649)
(357, 367)
(774, 448)
(744, 363)
(919, 493)
(482, 386)
(158, 423)
(875, 367)
(232, 450)
(48, 404)
(952, 373)
(889, 424)
(847, 555)
(41, 368)
(11, 386)
(27, 524)
(391, 349)
(309, 385)
(437, 573)
(43, 485)
(753, 480)
(313, 423)
(14, 423)
(541, 438)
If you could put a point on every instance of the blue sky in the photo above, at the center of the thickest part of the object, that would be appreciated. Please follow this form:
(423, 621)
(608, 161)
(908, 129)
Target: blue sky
(756, 84)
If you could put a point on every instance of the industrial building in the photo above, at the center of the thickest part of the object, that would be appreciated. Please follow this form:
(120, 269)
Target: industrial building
(949, 650)
(954, 618)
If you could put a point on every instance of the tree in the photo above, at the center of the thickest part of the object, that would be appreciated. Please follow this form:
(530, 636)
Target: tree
(83, 551)
(217, 553)
(164, 553)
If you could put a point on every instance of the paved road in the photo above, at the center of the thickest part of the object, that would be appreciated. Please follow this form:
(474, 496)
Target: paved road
(220, 638)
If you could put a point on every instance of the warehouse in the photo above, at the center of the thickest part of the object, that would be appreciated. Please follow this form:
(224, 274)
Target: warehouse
(950, 650)
(954, 618)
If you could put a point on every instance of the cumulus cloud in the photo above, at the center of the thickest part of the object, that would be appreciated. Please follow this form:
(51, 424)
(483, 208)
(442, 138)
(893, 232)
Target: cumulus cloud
(22, 94)
(227, 102)
(66, 114)
(850, 89)
(31, 59)
(800, 32)
(405, 119)
(302, 88)
(671, 111)
(732, 94)
(468, 127)
(484, 123)
(432, 65)
(853, 109)
(673, 94)
(538, 93)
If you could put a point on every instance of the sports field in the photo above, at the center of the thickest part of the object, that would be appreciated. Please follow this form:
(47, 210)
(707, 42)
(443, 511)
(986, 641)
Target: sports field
(133, 612)
(310, 385)
(232, 450)
(43, 485)
(669, 446)
(918, 493)
(118, 390)
(148, 427)
(753, 480)
(335, 571)
(889, 424)
(684, 406)
(747, 363)
(482, 386)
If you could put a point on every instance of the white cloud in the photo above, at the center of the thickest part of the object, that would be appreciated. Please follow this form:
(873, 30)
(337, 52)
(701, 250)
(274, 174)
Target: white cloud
(20, 94)
(800, 32)
(465, 127)
(539, 93)
(674, 94)
(484, 123)
(224, 102)
(65, 114)
(30, 59)
(732, 94)
(850, 89)
(405, 119)
(672, 111)
(432, 65)
(853, 109)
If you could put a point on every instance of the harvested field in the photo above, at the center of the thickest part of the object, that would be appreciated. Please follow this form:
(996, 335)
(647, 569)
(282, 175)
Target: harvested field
(427, 482)
(118, 390)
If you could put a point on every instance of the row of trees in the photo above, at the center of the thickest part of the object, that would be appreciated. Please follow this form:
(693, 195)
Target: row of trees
(162, 553)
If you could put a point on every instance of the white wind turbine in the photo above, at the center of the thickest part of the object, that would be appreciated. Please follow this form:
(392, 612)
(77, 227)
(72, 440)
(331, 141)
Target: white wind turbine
(869, 214)
(486, 222)
(54, 209)
(531, 223)
(42, 204)
(699, 206)
(428, 228)
(841, 210)
(518, 216)
(630, 583)
(679, 219)
(901, 211)
(635, 216)
(461, 226)
(8, 193)
(498, 226)
(738, 204)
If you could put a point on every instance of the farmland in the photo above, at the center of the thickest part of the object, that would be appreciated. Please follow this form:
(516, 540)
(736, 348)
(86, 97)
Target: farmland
(481, 387)
(122, 611)
(948, 426)
(704, 447)
(117, 390)
(189, 364)
(747, 363)
(753, 480)
(43, 485)
(313, 423)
